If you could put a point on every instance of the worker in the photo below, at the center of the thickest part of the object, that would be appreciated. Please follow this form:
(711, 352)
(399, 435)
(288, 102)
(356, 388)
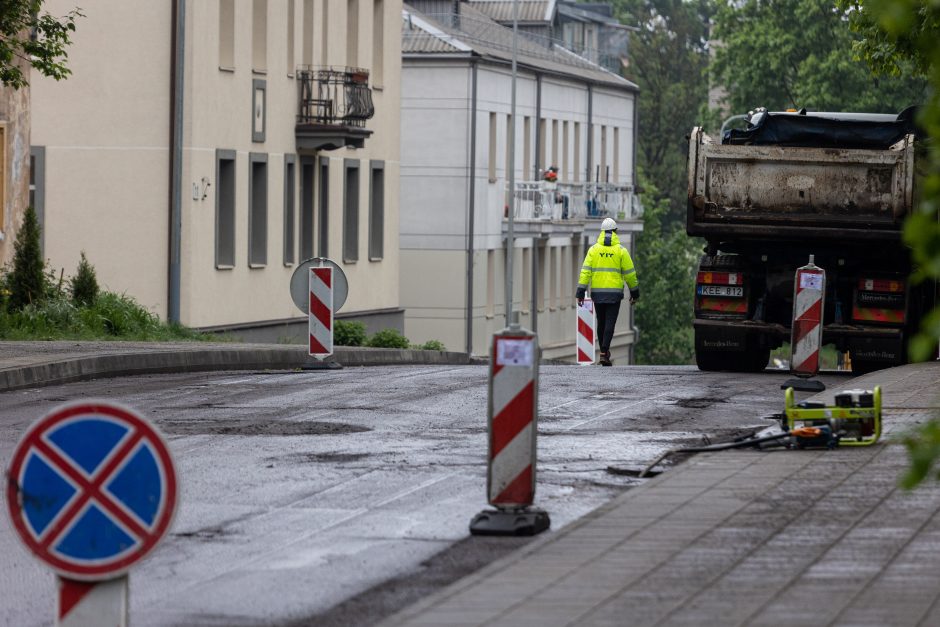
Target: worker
(606, 268)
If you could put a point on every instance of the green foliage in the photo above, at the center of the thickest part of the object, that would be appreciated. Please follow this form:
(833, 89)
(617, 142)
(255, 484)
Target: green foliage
(85, 284)
(388, 338)
(27, 282)
(799, 53)
(28, 36)
(348, 333)
(666, 261)
(431, 345)
(923, 449)
(895, 34)
(668, 60)
(110, 317)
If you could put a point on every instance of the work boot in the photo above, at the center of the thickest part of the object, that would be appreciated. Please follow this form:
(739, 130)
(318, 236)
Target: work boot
(605, 359)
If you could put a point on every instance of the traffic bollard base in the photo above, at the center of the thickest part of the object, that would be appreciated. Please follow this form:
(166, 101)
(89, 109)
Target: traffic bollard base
(803, 385)
(316, 364)
(527, 521)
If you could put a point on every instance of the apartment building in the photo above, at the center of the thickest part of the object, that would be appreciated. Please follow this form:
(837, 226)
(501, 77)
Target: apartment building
(455, 192)
(202, 149)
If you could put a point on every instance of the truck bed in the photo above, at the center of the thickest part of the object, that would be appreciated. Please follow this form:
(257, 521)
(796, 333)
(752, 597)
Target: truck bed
(813, 193)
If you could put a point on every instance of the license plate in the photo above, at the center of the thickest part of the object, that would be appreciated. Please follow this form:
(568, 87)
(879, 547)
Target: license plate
(720, 290)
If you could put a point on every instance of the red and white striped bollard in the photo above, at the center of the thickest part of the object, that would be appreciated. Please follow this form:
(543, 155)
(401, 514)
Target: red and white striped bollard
(513, 428)
(809, 296)
(586, 333)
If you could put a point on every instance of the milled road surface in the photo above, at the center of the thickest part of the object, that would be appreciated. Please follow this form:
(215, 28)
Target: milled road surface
(336, 498)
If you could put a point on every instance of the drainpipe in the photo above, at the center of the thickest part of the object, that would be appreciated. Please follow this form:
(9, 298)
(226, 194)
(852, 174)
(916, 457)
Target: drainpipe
(471, 204)
(177, 50)
(636, 133)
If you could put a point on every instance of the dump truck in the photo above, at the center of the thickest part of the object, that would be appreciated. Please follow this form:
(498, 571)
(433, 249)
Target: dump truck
(793, 184)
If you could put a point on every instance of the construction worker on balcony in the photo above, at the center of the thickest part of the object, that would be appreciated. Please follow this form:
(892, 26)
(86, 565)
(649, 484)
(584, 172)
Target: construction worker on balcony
(606, 269)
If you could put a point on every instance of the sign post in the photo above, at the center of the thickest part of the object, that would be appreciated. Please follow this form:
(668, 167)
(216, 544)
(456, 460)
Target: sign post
(92, 491)
(512, 430)
(318, 287)
(809, 293)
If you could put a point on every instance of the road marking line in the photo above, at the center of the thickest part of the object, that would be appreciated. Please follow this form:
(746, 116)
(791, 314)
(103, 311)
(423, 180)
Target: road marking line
(616, 409)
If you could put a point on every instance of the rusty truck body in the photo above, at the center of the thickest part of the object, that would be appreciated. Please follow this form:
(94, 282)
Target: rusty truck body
(791, 185)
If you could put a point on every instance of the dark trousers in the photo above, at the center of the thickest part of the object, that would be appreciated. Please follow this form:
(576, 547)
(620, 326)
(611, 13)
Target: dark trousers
(606, 321)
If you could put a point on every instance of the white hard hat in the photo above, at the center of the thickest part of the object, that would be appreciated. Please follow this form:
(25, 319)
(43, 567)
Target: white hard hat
(608, 225)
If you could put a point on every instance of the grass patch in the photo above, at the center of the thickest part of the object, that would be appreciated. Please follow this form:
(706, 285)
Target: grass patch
(110, 317)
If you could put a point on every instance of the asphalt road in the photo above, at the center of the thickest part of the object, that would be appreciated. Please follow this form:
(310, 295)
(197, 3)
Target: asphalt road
(338, 497)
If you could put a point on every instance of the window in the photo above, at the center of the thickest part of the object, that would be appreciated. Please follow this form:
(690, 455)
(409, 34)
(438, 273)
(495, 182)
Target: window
(378, 43)
(526, 147)
(376, 210)
(307, 168)
(526, 279)
(605, 173)
(351, 210)
(37, 188)
(290, 37)
(258, 210)
(492, 153)
(290, 186)
(352, 33)
(325, 34)
(540, 158)
(323, 226)
(616, 168)
(554, 143)
(225, 209)
(509, 141)
(577, 152)
(226, 34)
(553, 277)
(259, 36)
(307, 44)
(541, 276)
(490, 283)
(259, 95)
(564, 151)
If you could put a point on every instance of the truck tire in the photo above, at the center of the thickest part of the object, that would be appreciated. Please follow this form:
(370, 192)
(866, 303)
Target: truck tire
(713, 361)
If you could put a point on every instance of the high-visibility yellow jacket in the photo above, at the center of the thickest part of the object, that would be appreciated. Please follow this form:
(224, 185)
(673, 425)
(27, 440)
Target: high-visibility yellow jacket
(606, 268)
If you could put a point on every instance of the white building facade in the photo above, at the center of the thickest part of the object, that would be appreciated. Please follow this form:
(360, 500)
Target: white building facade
(456, 106)
(202, 149)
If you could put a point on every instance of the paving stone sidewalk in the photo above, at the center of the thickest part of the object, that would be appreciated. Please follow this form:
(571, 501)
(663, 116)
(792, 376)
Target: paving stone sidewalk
(744, 537)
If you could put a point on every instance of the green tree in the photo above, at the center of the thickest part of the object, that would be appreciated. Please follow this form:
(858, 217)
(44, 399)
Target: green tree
(27, 280)
(668, 61)
(896, 35)
(85, 284)
(798, 53)
(27, 34)
(665, 260)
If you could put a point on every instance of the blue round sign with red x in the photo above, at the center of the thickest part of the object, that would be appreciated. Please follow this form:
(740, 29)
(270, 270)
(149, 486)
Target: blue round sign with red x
(92, 489)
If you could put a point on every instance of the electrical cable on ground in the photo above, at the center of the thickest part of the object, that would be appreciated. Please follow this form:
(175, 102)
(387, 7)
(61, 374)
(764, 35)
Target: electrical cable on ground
(715, 447)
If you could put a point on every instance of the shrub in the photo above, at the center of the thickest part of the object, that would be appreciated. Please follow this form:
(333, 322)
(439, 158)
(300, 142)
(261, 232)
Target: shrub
(348, 333)
(389, 338)
(432, 345)
(27, 281)
(85, 284)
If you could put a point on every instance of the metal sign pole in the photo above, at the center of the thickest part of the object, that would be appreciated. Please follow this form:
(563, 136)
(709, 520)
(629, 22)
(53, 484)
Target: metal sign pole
(510, 237)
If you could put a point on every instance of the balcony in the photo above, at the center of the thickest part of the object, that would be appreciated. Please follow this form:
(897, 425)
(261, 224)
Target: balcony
(333, 107)
(543, 207)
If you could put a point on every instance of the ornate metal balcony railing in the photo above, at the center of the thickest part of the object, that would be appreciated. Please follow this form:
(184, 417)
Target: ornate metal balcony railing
(541, 200)
(336, 97)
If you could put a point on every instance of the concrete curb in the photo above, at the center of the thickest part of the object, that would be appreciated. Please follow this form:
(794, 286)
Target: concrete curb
(160, 361)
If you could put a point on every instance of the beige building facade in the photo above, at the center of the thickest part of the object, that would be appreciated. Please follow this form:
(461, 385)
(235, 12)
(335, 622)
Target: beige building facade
(202, 149)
